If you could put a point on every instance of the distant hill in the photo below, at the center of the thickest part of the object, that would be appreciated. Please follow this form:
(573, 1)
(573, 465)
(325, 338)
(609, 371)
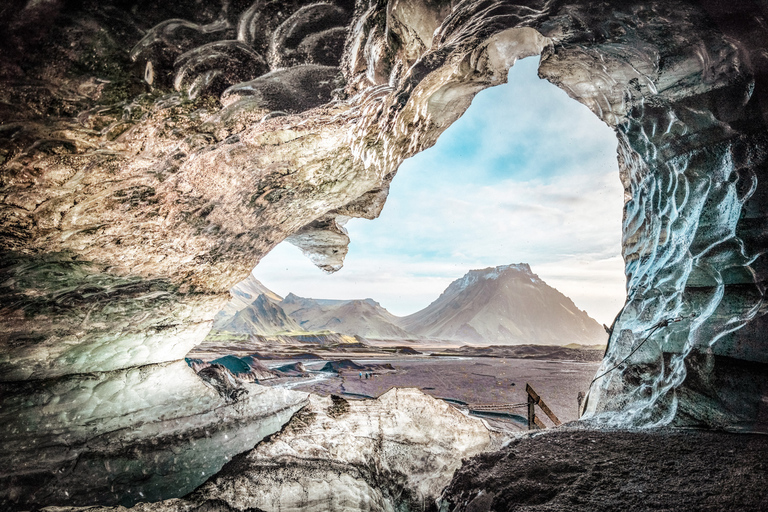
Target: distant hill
(364, 318)
(507, 305)
(242, 295)
(504, 305)
(261, 317)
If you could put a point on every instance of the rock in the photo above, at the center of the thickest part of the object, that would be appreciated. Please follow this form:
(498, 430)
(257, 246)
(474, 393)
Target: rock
(312, 19)
(223, 381)
(156, 53)
(211, 68)
(324, 48)
(247, 368)
(586, 470)
(292, 370)
(292, 90)
(349, 365)
(337, 366)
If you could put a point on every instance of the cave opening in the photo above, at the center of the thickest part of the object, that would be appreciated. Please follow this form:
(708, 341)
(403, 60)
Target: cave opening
(134, 199)
(132, 202)
(526, 175)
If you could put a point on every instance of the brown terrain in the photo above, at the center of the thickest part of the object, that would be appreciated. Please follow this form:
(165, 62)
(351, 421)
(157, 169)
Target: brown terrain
(602, 470)
(470, 381)
(465, 376)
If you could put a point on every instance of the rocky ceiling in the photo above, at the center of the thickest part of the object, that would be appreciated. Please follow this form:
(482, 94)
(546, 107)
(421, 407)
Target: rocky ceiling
(152, 152)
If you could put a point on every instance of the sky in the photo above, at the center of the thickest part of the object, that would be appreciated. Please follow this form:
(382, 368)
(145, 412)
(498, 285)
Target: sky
(525, 175)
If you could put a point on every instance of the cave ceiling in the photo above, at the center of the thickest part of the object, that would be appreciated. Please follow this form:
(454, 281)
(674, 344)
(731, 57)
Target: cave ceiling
(152, 152)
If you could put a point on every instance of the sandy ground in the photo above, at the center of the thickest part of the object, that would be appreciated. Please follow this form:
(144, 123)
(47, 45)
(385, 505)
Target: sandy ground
(587, 470)
(482, 380)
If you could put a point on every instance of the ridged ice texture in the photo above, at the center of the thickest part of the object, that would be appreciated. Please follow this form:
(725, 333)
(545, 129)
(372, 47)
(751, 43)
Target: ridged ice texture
(125, 436)
(394, 453)
(692, 152)
(161, 203)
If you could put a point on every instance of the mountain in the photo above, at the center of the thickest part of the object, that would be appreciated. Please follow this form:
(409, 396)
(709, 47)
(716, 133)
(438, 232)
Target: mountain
(242, 295)
(262, 317)
(504, 305)
(364, 318)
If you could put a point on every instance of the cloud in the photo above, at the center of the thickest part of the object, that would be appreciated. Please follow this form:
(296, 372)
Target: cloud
(518, 220)
(526, 175)
(401, 284)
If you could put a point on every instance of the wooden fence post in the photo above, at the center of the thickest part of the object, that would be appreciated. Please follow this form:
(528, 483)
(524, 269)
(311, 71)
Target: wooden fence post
(531, 413)
(533, 400)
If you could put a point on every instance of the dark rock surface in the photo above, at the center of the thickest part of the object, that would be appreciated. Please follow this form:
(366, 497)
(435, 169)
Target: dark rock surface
(291, 90)
(307, 22)
(586, 470)
(526, 352)
(212, 68)
(247, 368)
(157, 52)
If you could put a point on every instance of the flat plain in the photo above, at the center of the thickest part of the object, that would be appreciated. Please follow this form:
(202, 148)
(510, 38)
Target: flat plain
(464, 380)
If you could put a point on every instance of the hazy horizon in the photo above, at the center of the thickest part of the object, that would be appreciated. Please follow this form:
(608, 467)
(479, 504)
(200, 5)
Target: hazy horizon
(526, 175)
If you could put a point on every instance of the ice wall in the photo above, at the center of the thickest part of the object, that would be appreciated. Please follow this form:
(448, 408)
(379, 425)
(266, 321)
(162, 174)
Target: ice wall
(690, 119)
(150, 157)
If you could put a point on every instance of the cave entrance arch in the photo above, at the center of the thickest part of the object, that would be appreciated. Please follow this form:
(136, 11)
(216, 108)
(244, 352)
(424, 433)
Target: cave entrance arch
(111, 281)
(525, 175)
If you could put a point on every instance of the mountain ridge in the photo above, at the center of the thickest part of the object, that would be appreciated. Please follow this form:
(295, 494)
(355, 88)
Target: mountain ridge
(508, 304)
(503, 305)
(356, 317)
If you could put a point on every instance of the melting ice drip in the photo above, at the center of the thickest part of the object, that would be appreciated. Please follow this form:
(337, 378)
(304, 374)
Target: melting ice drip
(680, 239)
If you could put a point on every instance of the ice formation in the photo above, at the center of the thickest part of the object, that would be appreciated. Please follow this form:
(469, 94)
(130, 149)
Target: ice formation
(124, 436)
(133, 197)
(394, 453)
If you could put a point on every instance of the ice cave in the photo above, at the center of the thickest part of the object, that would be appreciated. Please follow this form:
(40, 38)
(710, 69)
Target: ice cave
(152, 152)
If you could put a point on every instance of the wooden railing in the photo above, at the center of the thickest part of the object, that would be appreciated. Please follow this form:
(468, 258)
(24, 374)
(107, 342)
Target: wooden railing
(533, 400)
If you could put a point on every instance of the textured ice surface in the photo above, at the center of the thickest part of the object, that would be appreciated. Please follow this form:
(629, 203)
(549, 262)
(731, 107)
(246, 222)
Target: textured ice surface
(124, 436)
(128, 209)
(692, 151)
(325, 242)
(63, 316)
(394, 453)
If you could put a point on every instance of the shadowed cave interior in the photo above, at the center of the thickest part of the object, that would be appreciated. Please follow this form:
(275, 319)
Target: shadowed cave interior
(152, 153)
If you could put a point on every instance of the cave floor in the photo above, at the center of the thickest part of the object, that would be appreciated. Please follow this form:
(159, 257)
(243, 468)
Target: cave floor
(590, 470)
